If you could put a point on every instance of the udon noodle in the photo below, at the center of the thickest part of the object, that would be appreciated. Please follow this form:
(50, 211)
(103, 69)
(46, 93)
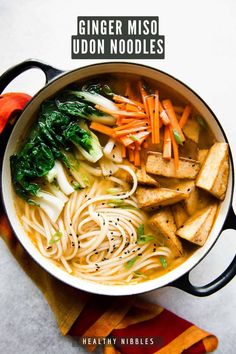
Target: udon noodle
(98, 229)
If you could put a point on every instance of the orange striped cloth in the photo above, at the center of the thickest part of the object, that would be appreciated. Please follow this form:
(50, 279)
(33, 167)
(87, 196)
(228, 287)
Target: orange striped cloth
(87, 316)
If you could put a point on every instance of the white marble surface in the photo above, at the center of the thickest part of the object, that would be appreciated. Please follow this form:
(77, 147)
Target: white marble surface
(201, 51)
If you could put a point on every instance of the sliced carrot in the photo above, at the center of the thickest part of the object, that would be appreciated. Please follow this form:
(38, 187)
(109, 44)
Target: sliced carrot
(102, 128)
(130, 108)
(131, 154)
(167, 144)
(122, 99)
(127, 120)
(137, 114)
(129, 131)
(135, 123)
(164, 117)
(175, 149)
(156, 119)
(143, 94)
(123, 151)
(137, 160)
(173, 120)
(150, 106)
(185, 116)
(121, 106)
(145, 144)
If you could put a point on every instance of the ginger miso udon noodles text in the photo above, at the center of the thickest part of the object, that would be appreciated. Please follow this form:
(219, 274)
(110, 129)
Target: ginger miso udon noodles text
(119, 179)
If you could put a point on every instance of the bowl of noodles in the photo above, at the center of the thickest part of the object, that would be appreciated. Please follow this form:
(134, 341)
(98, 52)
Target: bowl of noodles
(117, 179)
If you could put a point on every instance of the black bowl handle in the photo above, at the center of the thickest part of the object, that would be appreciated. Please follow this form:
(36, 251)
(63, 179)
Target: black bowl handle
(184, 284)
(16, 70)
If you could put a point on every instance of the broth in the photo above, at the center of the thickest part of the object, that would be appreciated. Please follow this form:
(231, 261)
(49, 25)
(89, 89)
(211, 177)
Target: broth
(104, 233)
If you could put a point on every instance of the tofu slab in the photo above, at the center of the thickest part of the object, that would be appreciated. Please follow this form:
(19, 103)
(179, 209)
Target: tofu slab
(153, 198)
(163, 222)
(190, 203)
(202, 155)
(197, 228)
(144, 178)
(213, 176)
(156, 165)
(180, 214)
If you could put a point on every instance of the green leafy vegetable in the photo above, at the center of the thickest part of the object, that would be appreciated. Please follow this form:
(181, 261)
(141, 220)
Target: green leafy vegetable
(145, 238)
(141, 237)
(131, 262)
(177, 137)
(55, 238)
(163, 262)
(76, 186)
(140, 230)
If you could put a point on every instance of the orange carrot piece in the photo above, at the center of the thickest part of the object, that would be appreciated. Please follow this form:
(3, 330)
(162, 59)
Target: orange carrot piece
(150, 105)
(175, 149)
(156, 119)
(137, 114)
(137, 156)
(143, 94)
(102, 128)
(122, 99)
(129, 131)
(167, 144)
(173, 120)
(130, 108)
(131, 154)
(185, 116)
(123, 151)
(164, 117)
(145, 144)
(136, 123)
(127, 120)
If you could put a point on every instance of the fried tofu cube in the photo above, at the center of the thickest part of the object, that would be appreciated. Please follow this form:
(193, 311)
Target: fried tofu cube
(180, 214)
(197, 228)
(190, 203)
(146, 179)
(156, 165)
(202, 155)
(213, 176)
(152, 198)
(192, 130)
(163, 222)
